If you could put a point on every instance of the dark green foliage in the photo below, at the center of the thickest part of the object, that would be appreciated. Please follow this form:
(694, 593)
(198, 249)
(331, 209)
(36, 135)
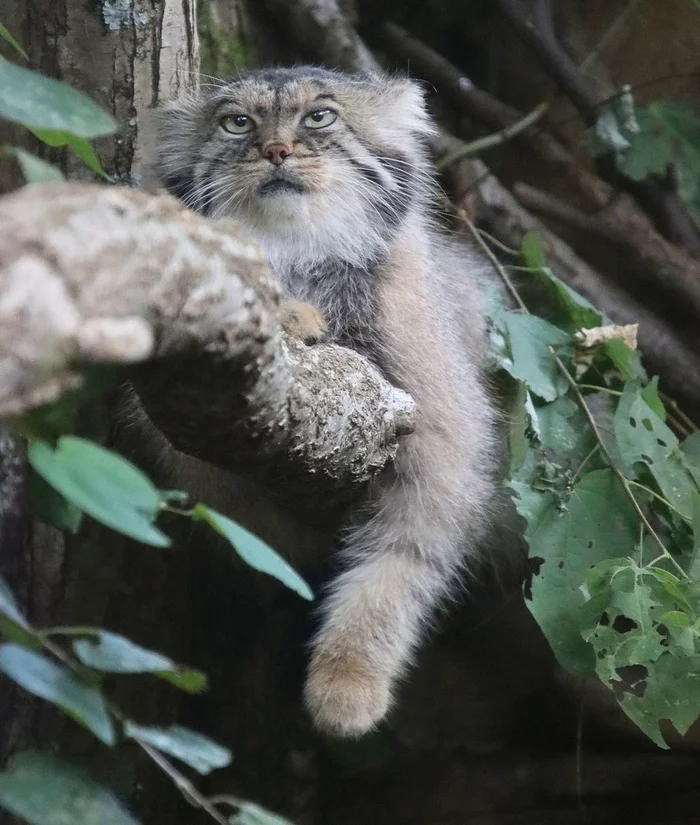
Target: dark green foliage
(612, 512)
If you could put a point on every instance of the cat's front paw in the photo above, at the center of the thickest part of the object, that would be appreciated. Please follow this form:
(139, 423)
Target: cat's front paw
(303, 321)
(344, 694)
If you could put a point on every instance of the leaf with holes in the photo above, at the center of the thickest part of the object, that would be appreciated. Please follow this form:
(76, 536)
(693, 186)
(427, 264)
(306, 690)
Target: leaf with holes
(642, 437)
(566, 538)
(55, 683)
(197, 751)
(42, 789)
(645, 632)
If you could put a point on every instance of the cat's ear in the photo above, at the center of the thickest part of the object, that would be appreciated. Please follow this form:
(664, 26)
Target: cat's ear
(405, 103)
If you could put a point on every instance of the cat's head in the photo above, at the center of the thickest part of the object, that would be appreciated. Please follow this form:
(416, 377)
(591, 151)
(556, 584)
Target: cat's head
(314, 162)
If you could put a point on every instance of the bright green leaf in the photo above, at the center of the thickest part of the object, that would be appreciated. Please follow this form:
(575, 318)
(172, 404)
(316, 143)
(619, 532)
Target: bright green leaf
(114, 654)
(8, 38)
(13, 626)
(34, 169)
(79, 145)
(650, 394)
(103, 484)
(253, 551)
(195, 750)
(55, 683)
(42, 789)
(39, 102)
(532, 361)
(625, 359)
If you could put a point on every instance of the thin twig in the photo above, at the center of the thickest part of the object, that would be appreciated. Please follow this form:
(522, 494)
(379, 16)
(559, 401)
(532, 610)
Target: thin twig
(183, 783)
(571, 381)
(497, 138)
(679, 412)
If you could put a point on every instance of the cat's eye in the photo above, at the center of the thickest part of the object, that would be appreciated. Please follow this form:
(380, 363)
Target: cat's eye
(237, 124)
(320, 118)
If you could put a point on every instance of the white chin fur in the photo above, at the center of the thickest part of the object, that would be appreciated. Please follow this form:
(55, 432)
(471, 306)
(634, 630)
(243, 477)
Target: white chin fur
(306, 229)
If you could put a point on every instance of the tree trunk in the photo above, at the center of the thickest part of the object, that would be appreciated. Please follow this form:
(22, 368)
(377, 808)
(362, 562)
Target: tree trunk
(197, 607)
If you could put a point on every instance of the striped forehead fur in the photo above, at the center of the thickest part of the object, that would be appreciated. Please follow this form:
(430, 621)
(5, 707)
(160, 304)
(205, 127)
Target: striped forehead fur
(362, 176)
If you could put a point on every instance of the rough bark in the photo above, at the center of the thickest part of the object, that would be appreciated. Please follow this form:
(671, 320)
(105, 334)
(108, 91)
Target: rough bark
(91, 275)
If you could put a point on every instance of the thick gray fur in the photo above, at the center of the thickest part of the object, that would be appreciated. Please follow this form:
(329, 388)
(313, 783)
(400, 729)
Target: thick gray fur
(347, 222)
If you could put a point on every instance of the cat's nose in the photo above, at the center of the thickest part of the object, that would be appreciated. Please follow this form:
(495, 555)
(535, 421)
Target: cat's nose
(276, 153)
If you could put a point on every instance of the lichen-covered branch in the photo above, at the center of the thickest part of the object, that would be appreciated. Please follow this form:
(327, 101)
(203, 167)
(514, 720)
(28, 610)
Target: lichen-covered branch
(92, 275)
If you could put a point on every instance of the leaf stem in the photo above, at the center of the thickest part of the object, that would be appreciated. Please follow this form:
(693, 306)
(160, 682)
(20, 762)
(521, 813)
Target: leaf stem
(496, 139)
(595, 387)
(585, 461)
(188, 790)
(571, 381)
(657, 496)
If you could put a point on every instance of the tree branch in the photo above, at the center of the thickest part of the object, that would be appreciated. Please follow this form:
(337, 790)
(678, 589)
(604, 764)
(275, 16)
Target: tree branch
(532, 20)
(92, 275)
(322, 30)
(493, 207)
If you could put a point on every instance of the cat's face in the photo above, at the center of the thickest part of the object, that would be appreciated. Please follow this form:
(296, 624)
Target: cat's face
(298, 153)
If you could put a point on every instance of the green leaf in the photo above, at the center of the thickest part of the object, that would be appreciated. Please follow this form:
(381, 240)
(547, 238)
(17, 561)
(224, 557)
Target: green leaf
(555, 300)
(13, 625)
(57, 684)
(39, 102)
(532, 361)
(671, 691)
(253, 551)
(103, 484)
(251, 814)
(643, 437)
(597, 523)
(626, 359)
(8, 38)
(49, 506)
(42, 789)
(691, 455)
(694, 566)
(34, 169)
(195, 750)
(669, 134)
(114, 654)
(522, 427)
(564, 429)
(79, 145)
(650, 394)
